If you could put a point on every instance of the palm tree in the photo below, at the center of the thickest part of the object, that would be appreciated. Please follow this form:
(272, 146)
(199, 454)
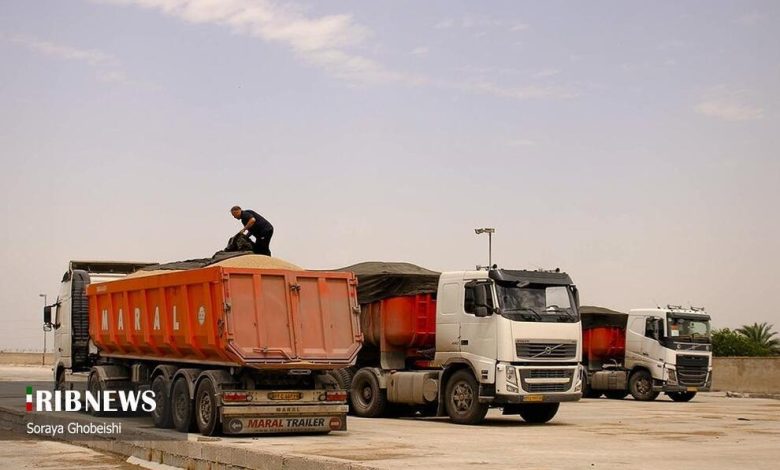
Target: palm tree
(762, 335)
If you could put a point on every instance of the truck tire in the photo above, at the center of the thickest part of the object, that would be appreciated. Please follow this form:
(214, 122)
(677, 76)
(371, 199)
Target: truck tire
(368, 400)
(206, 415)
(96, 387)
(641, 386)
(539, 413)
(681, 396)
(462, 399)
(181, 406)
(616, 394)
(162, 411)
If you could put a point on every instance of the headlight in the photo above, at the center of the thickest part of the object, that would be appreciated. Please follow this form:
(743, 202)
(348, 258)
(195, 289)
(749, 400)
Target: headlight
(672, 376)
(511, 375)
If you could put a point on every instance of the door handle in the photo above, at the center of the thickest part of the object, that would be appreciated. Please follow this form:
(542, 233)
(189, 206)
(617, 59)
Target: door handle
(464, 342)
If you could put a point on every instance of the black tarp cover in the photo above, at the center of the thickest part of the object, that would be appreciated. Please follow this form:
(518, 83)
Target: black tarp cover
(196, 263)
(379, 280)
(593, 317)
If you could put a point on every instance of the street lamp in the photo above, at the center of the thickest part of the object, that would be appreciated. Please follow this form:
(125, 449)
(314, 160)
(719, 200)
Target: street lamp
(43, 356)
(490, 232)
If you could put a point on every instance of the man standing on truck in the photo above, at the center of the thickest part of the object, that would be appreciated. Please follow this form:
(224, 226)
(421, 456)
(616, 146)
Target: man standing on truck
(255, 224)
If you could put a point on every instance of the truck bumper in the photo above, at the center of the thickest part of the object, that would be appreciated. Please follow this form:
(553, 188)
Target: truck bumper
(676, 387)
(281, 411)
(536, 398)
(273, 419)
(680, 388)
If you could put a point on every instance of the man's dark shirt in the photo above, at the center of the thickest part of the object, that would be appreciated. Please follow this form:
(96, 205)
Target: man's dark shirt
(261, 225)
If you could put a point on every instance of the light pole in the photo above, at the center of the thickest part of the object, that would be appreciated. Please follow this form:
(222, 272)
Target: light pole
(43, 356)
(490, 232)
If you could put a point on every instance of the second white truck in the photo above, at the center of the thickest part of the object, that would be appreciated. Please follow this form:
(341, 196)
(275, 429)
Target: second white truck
(646, 352)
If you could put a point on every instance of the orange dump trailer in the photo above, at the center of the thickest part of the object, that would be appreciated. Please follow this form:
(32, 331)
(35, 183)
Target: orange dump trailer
(223, 348)
(224, 316)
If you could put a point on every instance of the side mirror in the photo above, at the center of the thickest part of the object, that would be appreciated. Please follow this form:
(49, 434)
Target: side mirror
(576, 293)
(481, 311)
(47, 315)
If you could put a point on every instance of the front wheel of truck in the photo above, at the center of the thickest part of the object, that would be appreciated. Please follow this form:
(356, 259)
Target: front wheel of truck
(96, 387)
(681, 396)
(641, 386)
(367, 398)
(539, 413)
(206, 414)
(462, 397)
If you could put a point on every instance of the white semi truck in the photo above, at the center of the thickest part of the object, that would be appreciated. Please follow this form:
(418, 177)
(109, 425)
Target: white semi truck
(458, 343)
(645, 352)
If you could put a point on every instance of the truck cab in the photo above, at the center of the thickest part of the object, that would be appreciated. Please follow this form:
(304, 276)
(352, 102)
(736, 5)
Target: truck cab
(68, 317)
(518, 331)
(673, 345)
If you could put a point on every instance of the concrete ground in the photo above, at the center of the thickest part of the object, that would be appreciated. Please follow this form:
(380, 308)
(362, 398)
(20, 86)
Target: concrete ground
(16, 452)
(712, 431)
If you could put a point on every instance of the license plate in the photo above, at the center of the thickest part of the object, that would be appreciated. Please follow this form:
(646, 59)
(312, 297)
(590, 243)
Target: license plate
(693, 389)
(285, 396)
(533, 398)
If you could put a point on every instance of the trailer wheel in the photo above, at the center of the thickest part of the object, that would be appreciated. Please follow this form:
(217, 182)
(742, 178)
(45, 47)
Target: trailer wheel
(539, 413)
(96, 387)
(641, 386)
(681, 396)
(462, 397)
(181, 406)
(368, 399)
(162, 411)
(206, 414)
(616, 394)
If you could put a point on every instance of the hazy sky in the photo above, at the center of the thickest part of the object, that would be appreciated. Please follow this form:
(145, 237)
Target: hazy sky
(633, 144)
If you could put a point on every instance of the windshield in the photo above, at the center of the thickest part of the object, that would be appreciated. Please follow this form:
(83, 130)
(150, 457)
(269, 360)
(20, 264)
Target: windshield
(536, 302)
(688, 330)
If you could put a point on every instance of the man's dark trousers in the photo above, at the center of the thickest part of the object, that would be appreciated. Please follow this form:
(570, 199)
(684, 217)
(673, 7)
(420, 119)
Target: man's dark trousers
(262, 245)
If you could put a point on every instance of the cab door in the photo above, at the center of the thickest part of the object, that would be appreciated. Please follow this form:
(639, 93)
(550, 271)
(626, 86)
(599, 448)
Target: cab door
(478, 328)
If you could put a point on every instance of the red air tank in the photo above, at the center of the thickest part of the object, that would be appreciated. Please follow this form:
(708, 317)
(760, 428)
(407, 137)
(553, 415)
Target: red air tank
(405, 323)
(604, 343)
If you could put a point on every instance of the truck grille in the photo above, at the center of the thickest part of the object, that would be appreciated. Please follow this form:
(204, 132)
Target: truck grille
(531, 375)
(692, 369)
(541, 388)
(548, 350)
(691, 376)
(549, 373)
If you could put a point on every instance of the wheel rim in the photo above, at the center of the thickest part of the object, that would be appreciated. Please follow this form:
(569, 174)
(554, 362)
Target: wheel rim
(462, 397)
(366, 394)
(643, 385)
(205, 408)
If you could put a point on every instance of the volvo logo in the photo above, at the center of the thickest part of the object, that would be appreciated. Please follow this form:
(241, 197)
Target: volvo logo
(548, 350)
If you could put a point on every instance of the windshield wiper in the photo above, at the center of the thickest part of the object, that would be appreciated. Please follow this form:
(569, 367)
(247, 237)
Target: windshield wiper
(536, 314)
(562, 310)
